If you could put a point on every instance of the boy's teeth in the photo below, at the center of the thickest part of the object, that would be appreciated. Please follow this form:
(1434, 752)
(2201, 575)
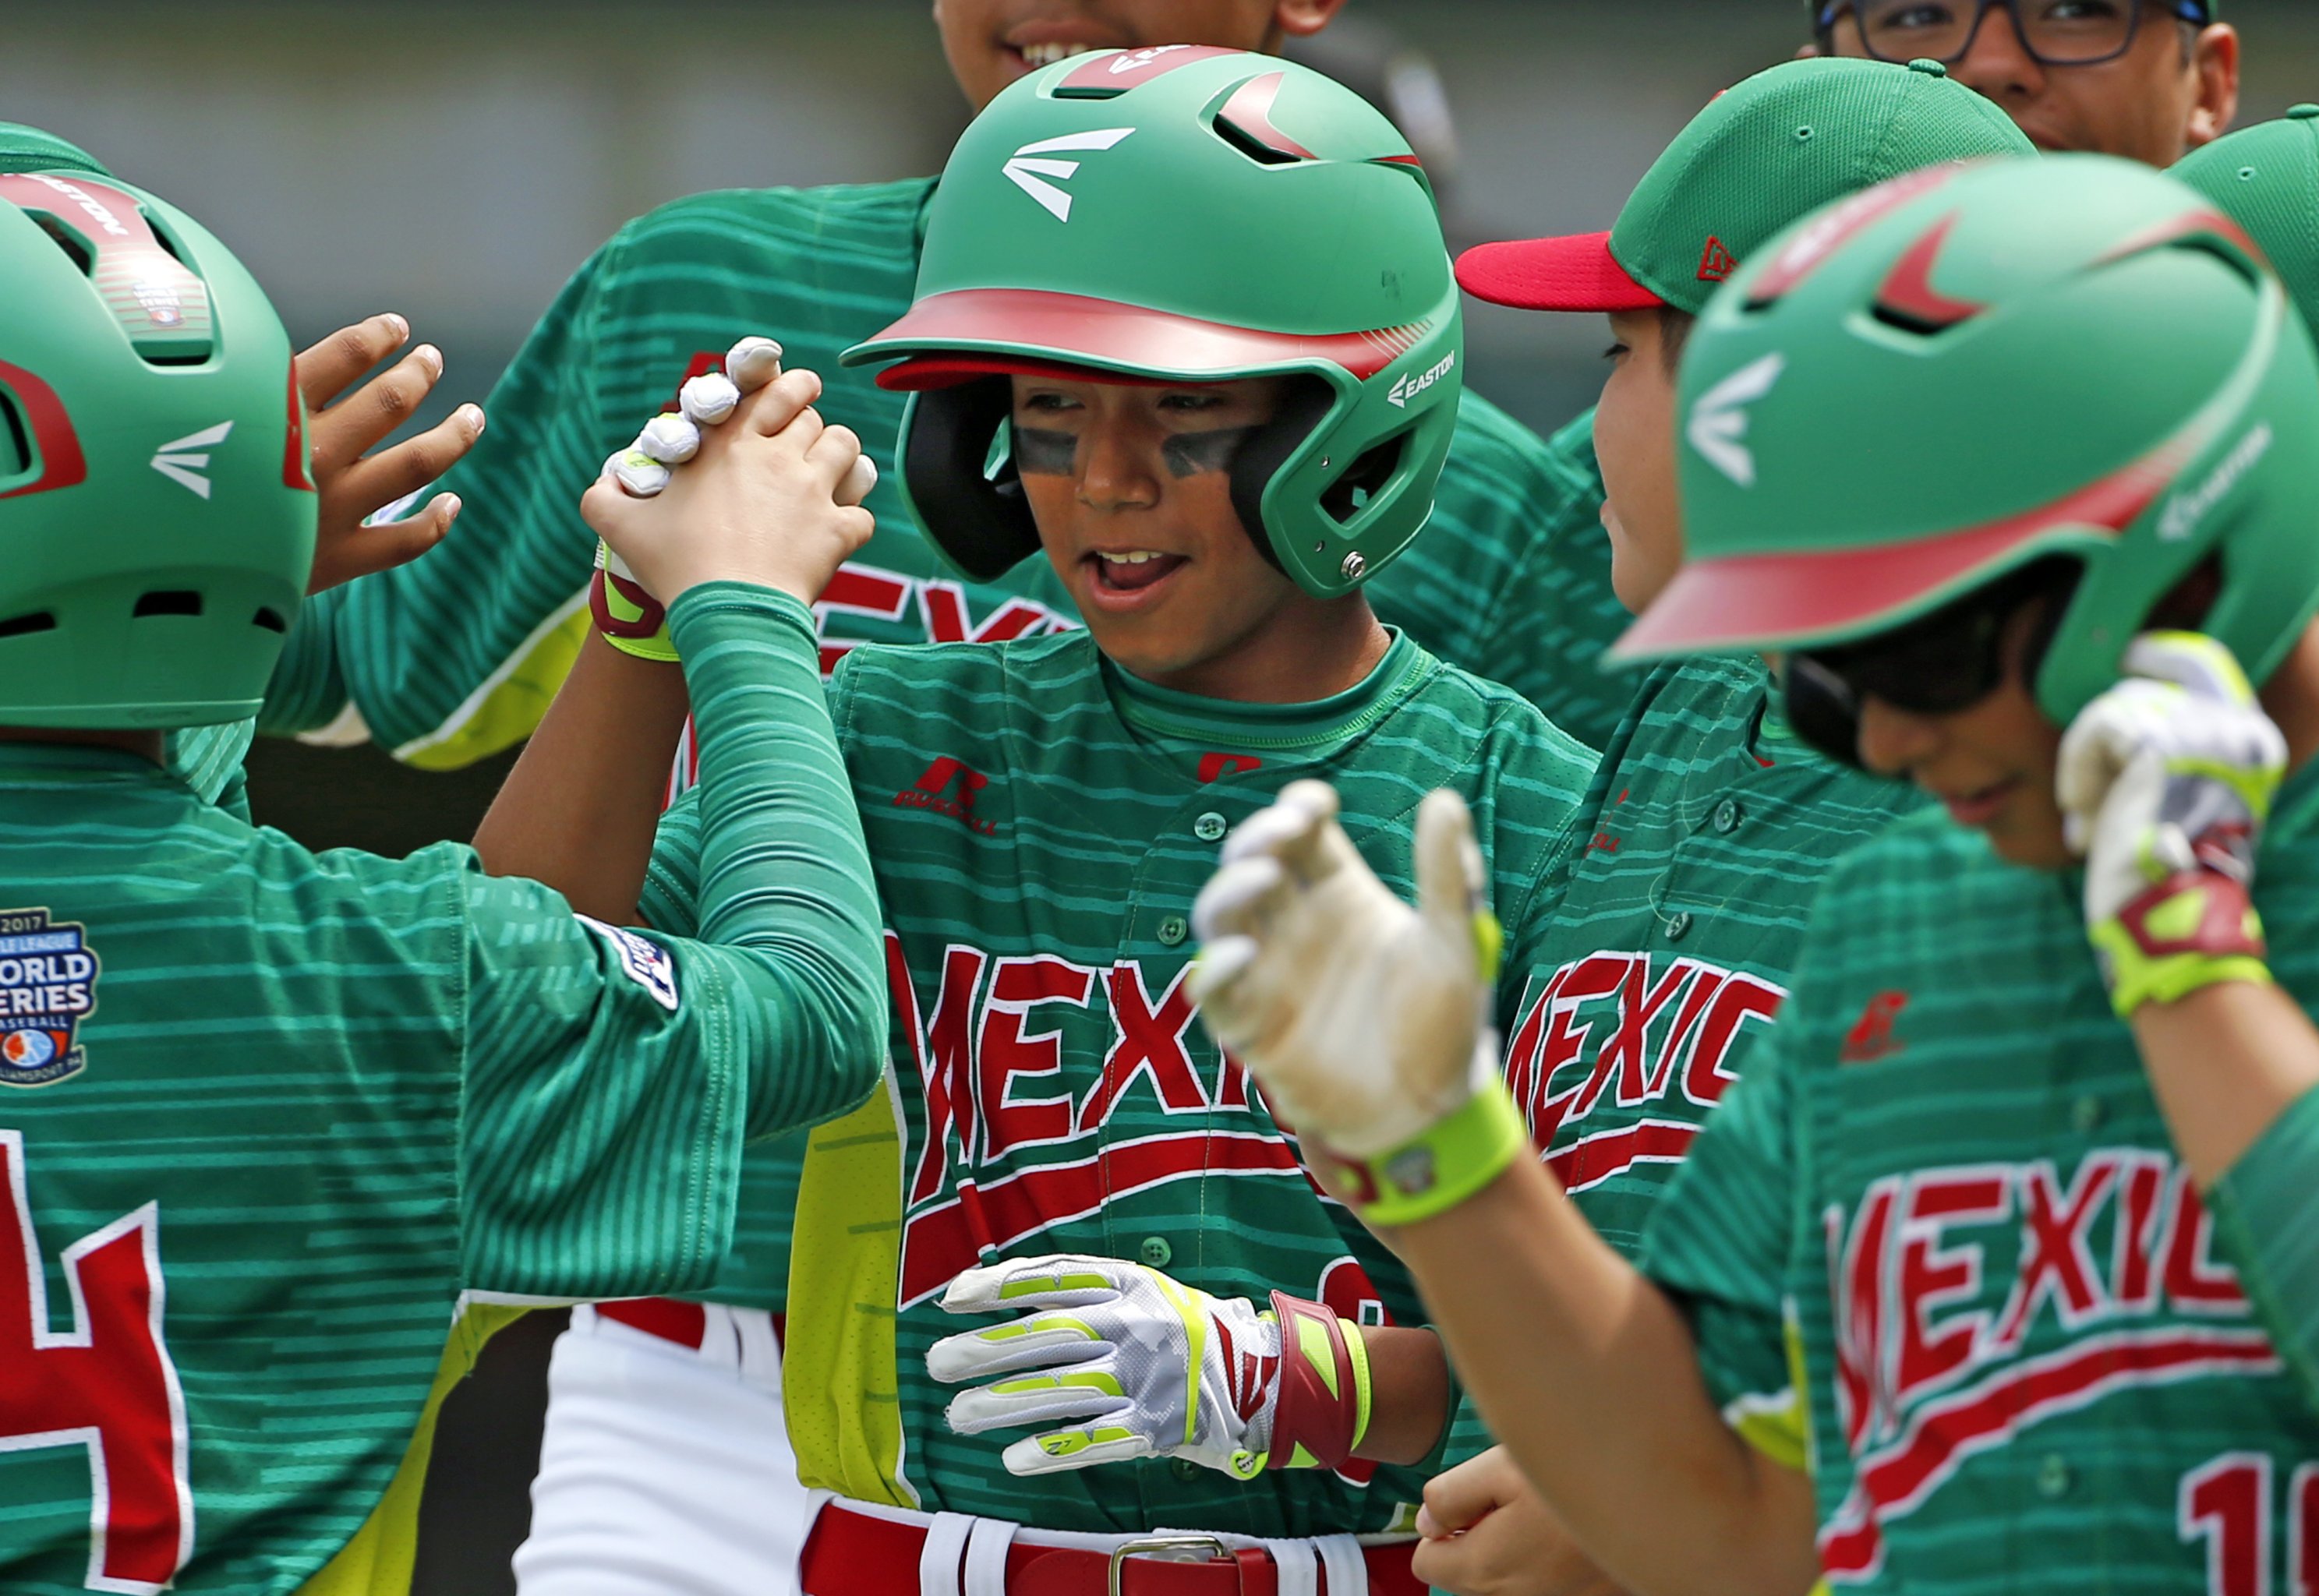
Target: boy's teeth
(1047, 55)
(1141, 556)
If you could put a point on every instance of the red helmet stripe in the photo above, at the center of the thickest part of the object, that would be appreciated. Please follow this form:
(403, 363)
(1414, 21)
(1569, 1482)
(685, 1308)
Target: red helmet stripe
(1817, 244)
(1250, 111)
(1909, 292)
(1777, 600)
(1075, 330)
(62, 464)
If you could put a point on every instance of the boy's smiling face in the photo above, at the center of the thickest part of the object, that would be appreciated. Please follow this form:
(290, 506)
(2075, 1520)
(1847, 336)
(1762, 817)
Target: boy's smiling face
(1131, 489)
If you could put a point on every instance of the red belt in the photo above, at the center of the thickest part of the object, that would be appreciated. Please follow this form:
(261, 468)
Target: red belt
(685, 1323)
(852, 1554)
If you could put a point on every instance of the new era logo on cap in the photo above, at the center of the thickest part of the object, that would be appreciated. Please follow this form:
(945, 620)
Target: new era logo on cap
(1715, 262)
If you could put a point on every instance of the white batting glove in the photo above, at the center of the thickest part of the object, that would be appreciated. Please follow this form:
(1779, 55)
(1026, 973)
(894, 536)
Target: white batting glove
(2165, 783)
(1120, 1360)
(672, 437)
(1364, 1019)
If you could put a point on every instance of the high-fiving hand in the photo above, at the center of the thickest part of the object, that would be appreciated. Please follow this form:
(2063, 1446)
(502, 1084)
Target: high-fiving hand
(2165, 784)
(353, 484)
(753, 488)
(1364, 1019)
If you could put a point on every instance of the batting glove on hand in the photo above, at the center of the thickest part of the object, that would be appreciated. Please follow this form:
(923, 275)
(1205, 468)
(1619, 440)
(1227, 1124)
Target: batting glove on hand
(630, 618)
(2165, 783)
(1365, 1020)
(1123, 1361)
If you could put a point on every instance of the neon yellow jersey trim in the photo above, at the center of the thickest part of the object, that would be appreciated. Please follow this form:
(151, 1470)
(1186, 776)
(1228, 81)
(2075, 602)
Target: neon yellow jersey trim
(843, 1400)
(509, 706)
(379, 1559)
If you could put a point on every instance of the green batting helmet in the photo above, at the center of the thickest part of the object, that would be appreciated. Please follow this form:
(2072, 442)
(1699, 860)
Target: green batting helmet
(1187, 214)
(154, 496)
(1943, 379)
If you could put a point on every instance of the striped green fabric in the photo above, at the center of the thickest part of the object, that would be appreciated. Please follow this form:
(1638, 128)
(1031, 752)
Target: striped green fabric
(208, 759)
(448, 643)
(1678, 910)
(2266, 1206)
(271, 1112)
(2031, 1361)
(1040, 824)
(1541, 623)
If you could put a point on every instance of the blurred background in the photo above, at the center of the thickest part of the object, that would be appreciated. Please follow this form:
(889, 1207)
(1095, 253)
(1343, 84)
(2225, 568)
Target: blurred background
(455, 161)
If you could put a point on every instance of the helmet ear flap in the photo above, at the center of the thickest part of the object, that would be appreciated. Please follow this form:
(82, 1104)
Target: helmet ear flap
(980, 519)
(1303, 407)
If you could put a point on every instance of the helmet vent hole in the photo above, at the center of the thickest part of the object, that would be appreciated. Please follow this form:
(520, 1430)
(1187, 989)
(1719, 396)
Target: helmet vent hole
(170, 601)
(1255, 149)
(270, 621)
(15, 438)
(1352, 493)
(66, 239)
(24, 626)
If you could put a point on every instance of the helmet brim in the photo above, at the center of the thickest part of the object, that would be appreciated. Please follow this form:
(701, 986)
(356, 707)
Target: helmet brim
(964, 329)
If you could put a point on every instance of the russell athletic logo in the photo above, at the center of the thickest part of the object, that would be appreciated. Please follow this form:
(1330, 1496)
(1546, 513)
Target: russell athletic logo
(185, 460)
(47, 986)
(1030, 167)
(1718, 421)
(949, 788)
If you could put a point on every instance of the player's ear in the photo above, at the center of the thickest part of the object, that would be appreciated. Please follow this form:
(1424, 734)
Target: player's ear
(1299, 19)
(2214, 58)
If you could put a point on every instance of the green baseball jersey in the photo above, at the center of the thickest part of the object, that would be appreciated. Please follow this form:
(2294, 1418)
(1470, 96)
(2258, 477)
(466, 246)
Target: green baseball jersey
(1040, 823)
(458, 654)
(1677, 911)
(2029, 1352)
(268, 1113)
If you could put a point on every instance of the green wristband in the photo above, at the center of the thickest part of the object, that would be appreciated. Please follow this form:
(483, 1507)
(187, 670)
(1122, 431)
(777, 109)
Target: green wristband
(1432, 1173)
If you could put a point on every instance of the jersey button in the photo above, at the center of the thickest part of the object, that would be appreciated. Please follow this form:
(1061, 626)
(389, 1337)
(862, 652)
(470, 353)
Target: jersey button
(1155, 1252)
(1728, 816)
(1209, 828)
(2054, 1478)
(2087, 1115)
(1174, 930)
(1183, 1469)
(1678, 926)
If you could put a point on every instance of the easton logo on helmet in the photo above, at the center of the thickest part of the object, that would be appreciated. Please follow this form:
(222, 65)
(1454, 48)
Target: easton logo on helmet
(1718, 421)
(2182, 516)
(47, 986)
(1029, 169)
(184, 468)
(1409, 386)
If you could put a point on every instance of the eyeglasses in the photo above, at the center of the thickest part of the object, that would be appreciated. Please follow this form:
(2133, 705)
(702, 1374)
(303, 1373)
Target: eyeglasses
(2055, 32)
(1940, 664)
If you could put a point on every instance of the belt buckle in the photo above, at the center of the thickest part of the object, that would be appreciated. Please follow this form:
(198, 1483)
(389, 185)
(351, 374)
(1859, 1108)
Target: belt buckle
(1115, 1581)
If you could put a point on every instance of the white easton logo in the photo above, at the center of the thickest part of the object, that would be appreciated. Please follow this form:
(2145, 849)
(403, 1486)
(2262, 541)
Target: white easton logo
(1718, 421)
(2182, 516)
(174, 460)
(1028, 169)
(1411, 385)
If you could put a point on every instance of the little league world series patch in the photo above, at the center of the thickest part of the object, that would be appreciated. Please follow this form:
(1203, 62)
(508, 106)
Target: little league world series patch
(47, 986)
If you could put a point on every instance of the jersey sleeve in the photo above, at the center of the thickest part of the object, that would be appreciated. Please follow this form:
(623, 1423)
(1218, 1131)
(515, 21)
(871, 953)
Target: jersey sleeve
(2267, 1217)
(614, 1075)
(1719, 1241)
(512, 572)
(1559, 613)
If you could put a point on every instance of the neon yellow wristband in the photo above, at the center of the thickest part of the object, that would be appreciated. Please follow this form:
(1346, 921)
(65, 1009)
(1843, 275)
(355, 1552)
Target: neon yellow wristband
(1432, 1173)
